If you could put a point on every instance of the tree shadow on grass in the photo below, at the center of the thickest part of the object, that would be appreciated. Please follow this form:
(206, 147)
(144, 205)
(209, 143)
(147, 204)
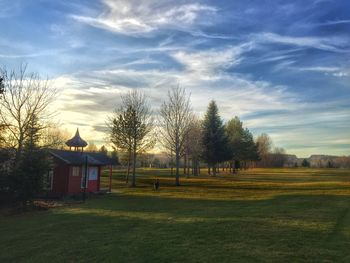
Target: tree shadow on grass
(124, 228)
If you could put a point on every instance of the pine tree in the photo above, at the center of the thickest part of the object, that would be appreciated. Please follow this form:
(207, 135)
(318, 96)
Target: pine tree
(114, 155)
(103, 150)
(249, 151)
(235, 132)
(305, 163)
(214, 138)
(32, 167)
(241, 144)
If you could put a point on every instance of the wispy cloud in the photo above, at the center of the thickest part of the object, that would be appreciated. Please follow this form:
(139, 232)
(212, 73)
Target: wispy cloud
(312, 133)
(334, 44)
(334, 71)
(140, 17)
(320, 69)
(49, 52)
(340, 74)
(208, 61)
(335, 22)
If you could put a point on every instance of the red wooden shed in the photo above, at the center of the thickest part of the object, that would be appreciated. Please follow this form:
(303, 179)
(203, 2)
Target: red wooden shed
(76, 171)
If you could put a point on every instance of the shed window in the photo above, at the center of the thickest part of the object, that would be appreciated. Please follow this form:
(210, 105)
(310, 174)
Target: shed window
(93, 173)
(76, 171)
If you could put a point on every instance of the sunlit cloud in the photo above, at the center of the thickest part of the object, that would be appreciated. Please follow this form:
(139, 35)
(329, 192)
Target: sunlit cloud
(138, 17)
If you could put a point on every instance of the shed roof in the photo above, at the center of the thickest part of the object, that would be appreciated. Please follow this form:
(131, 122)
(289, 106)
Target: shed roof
(79, 158)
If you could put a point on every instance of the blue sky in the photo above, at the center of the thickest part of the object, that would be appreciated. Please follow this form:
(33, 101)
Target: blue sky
(282, 66)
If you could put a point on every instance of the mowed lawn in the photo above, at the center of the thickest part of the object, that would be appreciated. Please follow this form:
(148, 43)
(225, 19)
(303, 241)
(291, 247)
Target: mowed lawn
(259, 215)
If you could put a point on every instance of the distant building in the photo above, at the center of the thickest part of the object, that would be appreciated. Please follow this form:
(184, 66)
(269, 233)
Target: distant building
(72, 167)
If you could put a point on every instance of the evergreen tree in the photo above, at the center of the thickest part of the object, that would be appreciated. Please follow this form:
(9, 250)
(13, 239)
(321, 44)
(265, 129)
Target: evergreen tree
(214, 138)
(234, 132)
(241, 143)
(32, 168)
(330, 164)
(6, 163)
(249, 151)
(114, 155)
(103, 150)
(305, 163)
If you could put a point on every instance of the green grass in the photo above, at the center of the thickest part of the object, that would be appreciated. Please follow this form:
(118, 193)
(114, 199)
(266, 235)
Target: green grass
(260, 215)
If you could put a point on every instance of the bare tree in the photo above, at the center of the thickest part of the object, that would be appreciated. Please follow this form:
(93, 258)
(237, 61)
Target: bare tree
(54, 137)
(175, 118)
(278, 157)
(264, 148)
(26, 96)
(91, 147)
(132, 129)
(2, 125)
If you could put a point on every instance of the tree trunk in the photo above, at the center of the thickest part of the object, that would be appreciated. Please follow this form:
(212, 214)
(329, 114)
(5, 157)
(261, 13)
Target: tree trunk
(195, 168)
(188, 168)
(129, 164)
(208, 169)
(177, 164)
(214, 170)
(134, 169)
(20, 148)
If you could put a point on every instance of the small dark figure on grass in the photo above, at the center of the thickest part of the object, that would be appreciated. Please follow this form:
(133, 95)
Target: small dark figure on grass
(156, 185)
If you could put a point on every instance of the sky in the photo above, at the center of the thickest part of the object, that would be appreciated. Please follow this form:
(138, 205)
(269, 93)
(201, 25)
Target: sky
(282, 66)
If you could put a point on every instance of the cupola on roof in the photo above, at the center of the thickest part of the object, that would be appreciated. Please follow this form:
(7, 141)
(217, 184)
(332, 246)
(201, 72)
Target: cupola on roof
(76, 141)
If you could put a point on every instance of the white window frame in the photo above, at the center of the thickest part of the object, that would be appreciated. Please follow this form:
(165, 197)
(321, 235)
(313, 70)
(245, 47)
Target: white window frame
(75, 171)
(49, 180)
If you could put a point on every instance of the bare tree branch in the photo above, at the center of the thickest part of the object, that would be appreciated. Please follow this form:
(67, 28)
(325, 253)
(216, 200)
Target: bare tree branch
(175, 118)
(26, 96)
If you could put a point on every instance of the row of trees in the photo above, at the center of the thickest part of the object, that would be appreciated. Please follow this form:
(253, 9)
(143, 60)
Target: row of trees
(134, 130)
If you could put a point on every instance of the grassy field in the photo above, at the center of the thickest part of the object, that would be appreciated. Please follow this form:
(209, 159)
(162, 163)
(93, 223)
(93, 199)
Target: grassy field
(260, 215)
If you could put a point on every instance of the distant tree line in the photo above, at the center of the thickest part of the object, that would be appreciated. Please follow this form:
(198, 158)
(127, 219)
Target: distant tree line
(324, 161)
